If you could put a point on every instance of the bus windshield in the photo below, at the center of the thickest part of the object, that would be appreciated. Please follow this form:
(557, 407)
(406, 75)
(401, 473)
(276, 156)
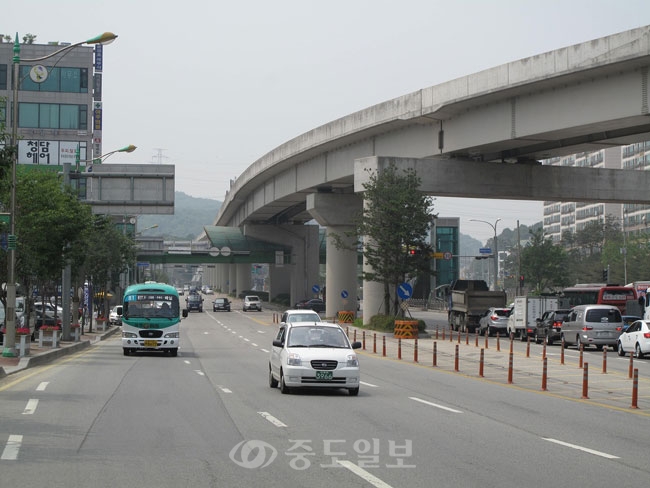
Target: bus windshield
(150, 305)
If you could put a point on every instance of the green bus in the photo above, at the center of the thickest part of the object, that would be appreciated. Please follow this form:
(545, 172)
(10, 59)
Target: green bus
(151, 317)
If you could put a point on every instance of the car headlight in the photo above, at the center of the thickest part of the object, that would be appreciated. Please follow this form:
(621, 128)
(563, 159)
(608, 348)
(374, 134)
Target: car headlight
(353, 361)
(171, 335)
(293, 359)
(129, 335)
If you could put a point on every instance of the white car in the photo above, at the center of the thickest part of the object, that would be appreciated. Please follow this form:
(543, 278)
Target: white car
(313, 355)
(636, 339)
(252, 302)
(299, 316)
(115, 316)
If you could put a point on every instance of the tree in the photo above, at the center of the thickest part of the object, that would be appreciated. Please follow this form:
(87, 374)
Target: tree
(543, 263)
(395, 224)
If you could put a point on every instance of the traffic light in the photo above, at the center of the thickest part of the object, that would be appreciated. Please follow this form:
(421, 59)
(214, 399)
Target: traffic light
(605, 275)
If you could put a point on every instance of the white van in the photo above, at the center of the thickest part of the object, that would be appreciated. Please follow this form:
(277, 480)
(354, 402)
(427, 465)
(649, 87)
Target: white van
(592, 325)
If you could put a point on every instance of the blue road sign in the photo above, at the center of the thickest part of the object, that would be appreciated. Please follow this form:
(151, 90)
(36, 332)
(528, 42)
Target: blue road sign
(344, 294)
(315, 288)
(404, 291)
(485, 250)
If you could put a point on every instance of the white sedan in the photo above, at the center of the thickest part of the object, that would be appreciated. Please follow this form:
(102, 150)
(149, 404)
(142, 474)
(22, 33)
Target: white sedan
(635, 339)
(313, 355)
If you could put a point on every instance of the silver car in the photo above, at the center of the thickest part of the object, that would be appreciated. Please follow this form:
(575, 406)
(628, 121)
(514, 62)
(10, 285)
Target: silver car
(495, 320)
(592, 325)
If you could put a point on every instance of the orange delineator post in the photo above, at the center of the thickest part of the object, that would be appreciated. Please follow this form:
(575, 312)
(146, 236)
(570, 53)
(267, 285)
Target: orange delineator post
(544, 350)
(498, 343)
(415, 351)
(487, 334)
(435, 353)
(399, 348)
(528, 347)
(383, 352)
(585, 382)
(605, 360)
(510, 367)
(456, 359)
(562, 352)
(480, 363)
(580, 360)
(374, 342)
(635, 389)
(476, 336)
(363, 340)
(544, 373)
(629, 373)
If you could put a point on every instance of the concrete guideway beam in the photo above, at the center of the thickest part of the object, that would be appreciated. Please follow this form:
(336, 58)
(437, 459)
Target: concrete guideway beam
(472, 179)
(337, 212)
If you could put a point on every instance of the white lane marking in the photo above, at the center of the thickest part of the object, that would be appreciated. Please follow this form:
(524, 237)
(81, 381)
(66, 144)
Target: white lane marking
(580, 448)
(199, 372)
(206, 333)
(42, 386)
(31, 406)
(10, 452)
(265, 350)
(253, 344)
(368, 384)
(186, 362)
(261, 332)
(363, 474)
(272, 419)
(247, 340)
(435, 405)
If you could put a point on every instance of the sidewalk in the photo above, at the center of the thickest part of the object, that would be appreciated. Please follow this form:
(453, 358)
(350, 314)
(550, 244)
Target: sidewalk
(523, 369)
(42, 355)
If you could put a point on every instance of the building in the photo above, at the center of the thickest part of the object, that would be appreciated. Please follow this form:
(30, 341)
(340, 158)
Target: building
(563, 217)
(59, 102)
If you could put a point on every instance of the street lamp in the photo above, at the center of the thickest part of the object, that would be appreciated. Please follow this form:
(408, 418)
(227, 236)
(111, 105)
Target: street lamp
(10, 337)
(496, 248)
(127, 149)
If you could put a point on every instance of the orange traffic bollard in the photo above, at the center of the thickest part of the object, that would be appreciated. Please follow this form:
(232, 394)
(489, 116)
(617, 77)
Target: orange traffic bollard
(456, 359)
(487, 334)
(363, 340)
(510, 367)
(544, 374)
(544, 350)
(585, 381)
(435, 353)
(415, 350)
(383, 351)
(374, 342)
(562, 352)
(399, 348)
(481, 362)
(498, 343)
(629, 373)
(604, 359)
(527, 347)
(580, 360)
(635, 389)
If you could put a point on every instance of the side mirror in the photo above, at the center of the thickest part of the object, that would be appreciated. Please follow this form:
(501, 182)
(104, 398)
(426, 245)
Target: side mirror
(356, 345)
(277, 343)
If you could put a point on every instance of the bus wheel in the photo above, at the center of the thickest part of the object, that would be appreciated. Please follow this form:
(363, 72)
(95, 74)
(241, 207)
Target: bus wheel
(173, 352)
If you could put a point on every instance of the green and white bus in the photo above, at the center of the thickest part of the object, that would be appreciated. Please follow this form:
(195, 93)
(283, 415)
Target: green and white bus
(151, 316)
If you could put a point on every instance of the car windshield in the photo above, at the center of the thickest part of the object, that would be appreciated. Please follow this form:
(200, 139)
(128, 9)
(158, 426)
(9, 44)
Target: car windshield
(304, 317)
(310, 336)
(150, 306)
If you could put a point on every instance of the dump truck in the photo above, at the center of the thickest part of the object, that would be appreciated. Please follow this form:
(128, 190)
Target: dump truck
(522, 322)
(468, 301)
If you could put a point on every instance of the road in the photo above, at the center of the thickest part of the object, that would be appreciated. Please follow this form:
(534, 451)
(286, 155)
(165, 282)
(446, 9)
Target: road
(209, 418)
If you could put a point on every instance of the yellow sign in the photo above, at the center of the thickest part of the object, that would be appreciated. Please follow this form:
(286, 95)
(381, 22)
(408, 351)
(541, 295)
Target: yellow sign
(438, 255)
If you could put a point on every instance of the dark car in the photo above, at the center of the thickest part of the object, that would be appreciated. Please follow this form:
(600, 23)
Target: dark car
(549, 326)
(315, 304)
(194, 302)
(221, 304)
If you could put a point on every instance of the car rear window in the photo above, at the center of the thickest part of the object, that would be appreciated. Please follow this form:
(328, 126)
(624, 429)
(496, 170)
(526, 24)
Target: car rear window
(502, 313)
(602, 315)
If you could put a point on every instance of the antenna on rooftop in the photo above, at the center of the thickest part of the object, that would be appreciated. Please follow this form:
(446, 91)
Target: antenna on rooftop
(159, 156)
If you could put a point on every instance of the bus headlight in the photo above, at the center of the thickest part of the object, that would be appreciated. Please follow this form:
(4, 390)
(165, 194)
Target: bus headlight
(129, 335)
(171, 335)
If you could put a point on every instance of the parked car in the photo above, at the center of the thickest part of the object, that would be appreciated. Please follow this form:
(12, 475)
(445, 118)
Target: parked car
(313, 355)
(194, 301)
(636, 339)
(252, 302)
(115, 315)
(592, 325)
(221, 304)
(315, 304)
(549, 326)
(495, 320)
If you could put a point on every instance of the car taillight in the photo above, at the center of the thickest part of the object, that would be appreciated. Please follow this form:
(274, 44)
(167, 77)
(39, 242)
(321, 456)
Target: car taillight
(494, 317)
(619, 328)
(646, 335)
(557, 323)
(586, 327)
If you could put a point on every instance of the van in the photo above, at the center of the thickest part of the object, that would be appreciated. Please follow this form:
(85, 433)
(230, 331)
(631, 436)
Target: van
(592, 325)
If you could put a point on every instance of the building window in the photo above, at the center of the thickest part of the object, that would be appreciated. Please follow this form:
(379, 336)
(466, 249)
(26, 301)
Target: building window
(64, 80)
(3, 76)
(52, 116)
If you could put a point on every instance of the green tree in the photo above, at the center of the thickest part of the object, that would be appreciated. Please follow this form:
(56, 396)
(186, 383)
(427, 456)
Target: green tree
(543, 263)
(395, 224)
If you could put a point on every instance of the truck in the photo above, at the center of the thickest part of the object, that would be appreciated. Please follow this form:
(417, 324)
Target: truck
(468, 301)
(525, 312)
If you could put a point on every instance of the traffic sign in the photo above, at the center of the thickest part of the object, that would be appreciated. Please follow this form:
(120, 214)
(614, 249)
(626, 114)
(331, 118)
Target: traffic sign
(438, 255)
(404, 291)
(447, 255)
(315, 288)
(485, 250)
(344, 294)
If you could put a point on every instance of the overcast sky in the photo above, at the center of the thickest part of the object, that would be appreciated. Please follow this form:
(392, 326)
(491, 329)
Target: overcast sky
(210, 86)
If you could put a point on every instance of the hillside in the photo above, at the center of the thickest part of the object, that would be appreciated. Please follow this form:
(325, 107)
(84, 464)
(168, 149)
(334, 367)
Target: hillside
(190, 215)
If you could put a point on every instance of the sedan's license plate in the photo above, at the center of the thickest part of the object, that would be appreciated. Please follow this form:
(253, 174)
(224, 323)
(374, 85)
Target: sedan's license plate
(324, 375)
(150, 343)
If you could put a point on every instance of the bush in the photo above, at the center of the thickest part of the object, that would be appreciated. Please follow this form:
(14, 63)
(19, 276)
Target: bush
(283, 299)
(386, 323)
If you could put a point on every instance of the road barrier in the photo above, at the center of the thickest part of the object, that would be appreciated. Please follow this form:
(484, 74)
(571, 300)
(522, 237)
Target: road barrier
(635, 390)
(544, 374)
(585, 382)
(406, 329)
(345, 317)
